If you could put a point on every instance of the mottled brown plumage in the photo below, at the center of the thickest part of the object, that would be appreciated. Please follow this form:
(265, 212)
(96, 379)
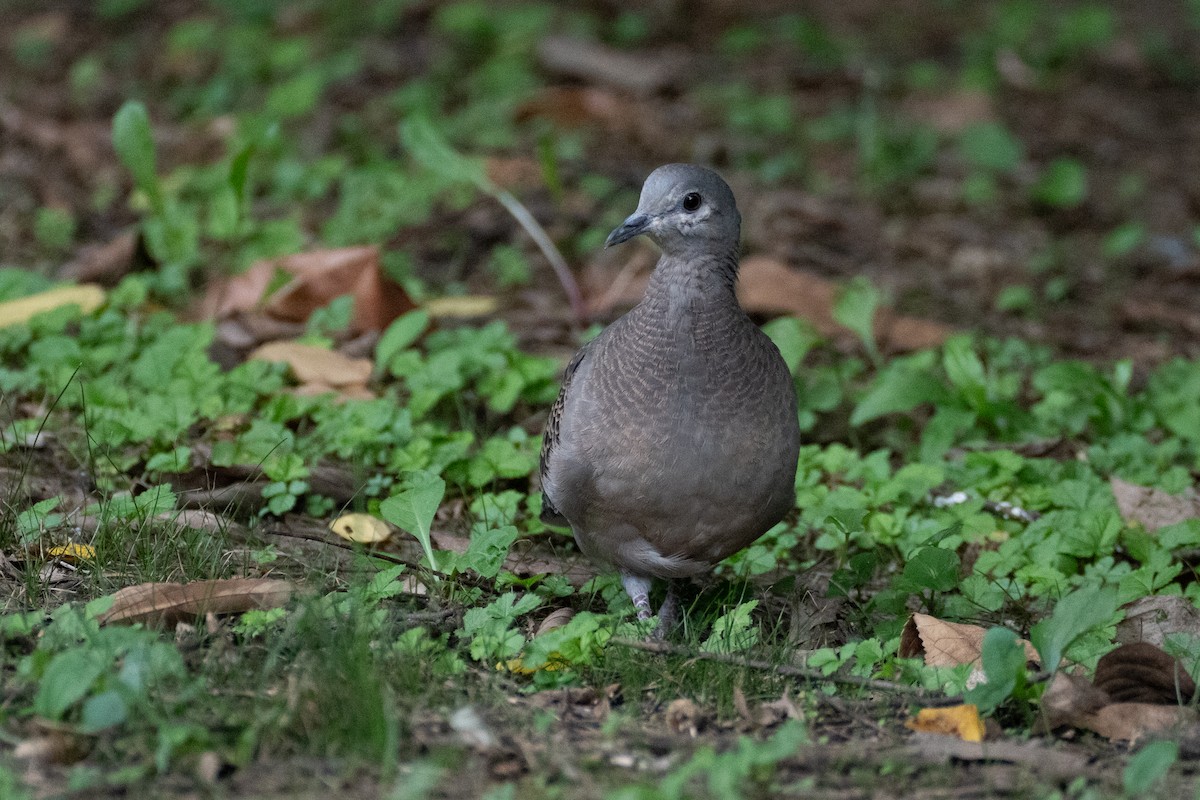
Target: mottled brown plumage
(674, 439)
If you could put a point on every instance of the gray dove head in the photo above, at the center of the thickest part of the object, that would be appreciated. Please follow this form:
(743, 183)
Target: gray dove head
(684, 208)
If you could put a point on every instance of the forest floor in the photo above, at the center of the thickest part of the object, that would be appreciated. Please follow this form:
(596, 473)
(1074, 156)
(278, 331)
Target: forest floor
(1026, 175)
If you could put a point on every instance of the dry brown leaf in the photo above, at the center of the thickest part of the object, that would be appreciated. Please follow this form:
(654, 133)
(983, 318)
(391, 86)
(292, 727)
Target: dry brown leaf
(198, 519)
(768, 286)
(900, 334)
(1048, 760)
(1128, 722)
(962, 721)
(1143, 673)
(948, 644)
(1153, 508)
(526, 559)
(950, 112)
(1069, 698)
(742, 707)
(319, 276)
(778, 710)
(1143, 311)
(514, 173)
(685, 717)
(577, 570)
(168, 603)
(1152, 619)
(312, 364)
(323, 275)
(1139, 671)
(579, 107)
(444, 540)
(53, 747)
(361, 528)
(314, 389)
(106, 262)
(586, 701)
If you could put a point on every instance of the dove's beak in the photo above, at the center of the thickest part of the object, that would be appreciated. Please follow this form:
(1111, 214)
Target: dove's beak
(631, 227)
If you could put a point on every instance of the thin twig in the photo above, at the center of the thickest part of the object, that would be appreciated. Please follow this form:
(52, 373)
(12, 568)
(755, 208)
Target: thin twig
(310, 537)
(790, 670)
(542, 239)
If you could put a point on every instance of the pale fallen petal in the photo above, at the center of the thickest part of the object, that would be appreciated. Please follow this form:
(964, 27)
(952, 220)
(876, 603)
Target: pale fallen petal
(312, 364)
(88, 296)
(361, 528)
(461, 307)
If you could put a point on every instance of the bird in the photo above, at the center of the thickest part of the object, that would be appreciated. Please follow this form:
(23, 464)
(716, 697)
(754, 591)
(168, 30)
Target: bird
(674, 439)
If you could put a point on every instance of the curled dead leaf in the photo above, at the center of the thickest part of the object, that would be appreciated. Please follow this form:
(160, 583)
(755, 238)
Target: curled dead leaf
(555, 619)
(318, 277)
(1139, 671)
(1143, 673)
(168, 603)
(962, 721)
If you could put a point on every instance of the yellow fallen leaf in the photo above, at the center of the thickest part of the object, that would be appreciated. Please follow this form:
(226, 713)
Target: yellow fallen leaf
(88, 296)
(464, 306)
(961, 721)
(517, 665)
(72, 552)
(361, 528)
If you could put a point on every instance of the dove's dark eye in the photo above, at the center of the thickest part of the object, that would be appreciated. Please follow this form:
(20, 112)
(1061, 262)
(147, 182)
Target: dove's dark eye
(691, 201)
